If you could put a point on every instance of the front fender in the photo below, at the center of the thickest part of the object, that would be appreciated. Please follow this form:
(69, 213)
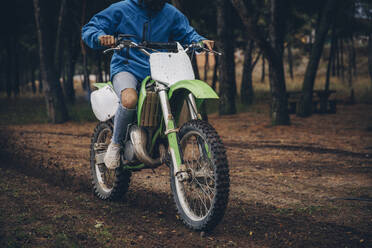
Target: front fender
(198, 88)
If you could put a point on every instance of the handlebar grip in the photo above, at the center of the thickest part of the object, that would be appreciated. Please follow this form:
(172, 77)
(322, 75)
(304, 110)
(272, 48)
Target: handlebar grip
(160, 45)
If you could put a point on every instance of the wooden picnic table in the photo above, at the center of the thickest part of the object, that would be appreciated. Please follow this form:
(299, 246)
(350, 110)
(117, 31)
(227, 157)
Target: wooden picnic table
(321, 101)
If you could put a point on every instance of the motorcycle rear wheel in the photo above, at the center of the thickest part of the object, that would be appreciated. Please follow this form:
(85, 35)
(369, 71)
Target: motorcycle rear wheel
(201, 198)
(107, 184)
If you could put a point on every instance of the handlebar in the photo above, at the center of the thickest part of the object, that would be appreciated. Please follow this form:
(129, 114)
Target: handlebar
(160, 46)
(172, 46)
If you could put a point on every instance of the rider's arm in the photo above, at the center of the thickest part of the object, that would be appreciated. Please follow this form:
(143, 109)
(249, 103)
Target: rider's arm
(103, 23)
(183, 32)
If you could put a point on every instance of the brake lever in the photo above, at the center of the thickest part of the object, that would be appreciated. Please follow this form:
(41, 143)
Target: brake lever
(117, 48)
(212, 51)
(197, 46)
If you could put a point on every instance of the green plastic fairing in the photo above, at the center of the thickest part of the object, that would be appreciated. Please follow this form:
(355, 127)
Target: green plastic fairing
(198, 88)
(141, 100)
(101, 85)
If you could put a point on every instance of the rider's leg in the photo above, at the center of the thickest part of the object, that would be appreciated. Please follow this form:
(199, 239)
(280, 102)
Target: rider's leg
(125, 87)
(124, 115)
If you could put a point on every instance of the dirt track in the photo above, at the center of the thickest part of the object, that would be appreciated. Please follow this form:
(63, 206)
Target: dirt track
(309, 184)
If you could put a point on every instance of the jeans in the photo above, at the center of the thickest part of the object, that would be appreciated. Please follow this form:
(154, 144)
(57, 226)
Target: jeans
(123, 116)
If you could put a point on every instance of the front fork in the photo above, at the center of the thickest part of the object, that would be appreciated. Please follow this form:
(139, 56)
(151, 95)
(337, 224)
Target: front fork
(170, 126)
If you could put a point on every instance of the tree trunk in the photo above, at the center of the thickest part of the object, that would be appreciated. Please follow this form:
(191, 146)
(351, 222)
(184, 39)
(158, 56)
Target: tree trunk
(59, 41)
(107, 69)
(273, 51)
(334, 55)
(215, 72)
(246, 90)
(370, 56)
(73, 53)
(354, 57)
(342, 59)
(86, 83)
(195, 67)
(69, 85)
(206, 67)
(350, 72)
(40, 81)
(263, 70)
(56, 108)
(16, 66)
(330, 59)
(306, 104)
(338, 65)
(99, 67)
(279, 102)
(290, 59)
(32, 72)
(227, 63)
(9, 63)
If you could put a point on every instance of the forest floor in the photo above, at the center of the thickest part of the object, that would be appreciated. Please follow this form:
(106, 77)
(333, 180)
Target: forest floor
(304, 185)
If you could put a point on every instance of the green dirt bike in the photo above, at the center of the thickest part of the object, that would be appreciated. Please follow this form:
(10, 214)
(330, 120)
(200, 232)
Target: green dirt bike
(199, 173)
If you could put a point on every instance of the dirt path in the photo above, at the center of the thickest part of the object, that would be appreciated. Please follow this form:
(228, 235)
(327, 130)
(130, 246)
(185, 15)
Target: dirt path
(309, 184)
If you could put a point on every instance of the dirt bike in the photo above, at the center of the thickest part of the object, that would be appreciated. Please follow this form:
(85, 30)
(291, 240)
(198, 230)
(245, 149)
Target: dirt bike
(194, 153)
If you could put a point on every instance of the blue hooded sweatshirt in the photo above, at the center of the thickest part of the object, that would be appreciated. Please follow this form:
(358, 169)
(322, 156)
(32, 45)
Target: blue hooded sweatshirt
(128, 17)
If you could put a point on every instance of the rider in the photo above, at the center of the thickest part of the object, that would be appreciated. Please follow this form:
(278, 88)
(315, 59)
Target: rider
(146, 20)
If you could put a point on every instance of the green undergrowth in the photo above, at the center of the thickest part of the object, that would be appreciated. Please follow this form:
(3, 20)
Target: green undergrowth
(32, 110)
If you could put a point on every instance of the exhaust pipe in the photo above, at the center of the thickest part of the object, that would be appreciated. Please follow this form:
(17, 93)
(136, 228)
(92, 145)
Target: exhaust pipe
(139, 140)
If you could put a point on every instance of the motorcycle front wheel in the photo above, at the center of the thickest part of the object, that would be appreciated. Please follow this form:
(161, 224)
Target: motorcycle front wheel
(107, 184)
(201, 196)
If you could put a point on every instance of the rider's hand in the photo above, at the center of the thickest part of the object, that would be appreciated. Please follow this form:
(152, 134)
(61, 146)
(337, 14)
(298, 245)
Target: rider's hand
(209, 44)
(107, 40)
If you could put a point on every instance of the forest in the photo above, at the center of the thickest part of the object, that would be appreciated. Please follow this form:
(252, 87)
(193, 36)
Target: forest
(260, 30)
(294, 81)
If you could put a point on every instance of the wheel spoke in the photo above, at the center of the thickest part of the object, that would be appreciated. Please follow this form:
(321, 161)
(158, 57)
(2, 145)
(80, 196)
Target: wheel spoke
(107, 176)
(198, 192)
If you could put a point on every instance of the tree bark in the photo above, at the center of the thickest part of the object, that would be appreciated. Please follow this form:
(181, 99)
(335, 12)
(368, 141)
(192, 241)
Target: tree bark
(227, 63)
(32, 74)
(330, 59)
(9, 68)
(290, 59)
(99, 67)
(215, 72)
(56, 108)
(338, 66)
(107, 69)
(370, 56)
(279, 103)
(246, 90)
(350, 72)
(73, 54)
(86, 83)
(195, 67)
(40, 81)
(206, 67)
(16, 69)
(263, 70)
(342, 59)
(59, 40)
(306, 105)
(273, 51)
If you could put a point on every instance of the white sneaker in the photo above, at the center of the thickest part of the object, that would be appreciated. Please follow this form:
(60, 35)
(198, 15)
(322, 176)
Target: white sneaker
(112, 157)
